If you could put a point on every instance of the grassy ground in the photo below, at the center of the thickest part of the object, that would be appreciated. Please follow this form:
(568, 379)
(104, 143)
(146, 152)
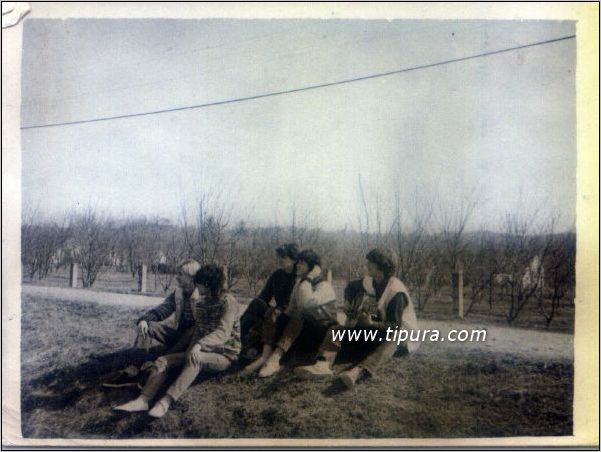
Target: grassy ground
(69, 348)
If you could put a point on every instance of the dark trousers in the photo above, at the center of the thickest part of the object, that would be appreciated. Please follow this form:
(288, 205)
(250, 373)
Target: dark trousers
(251, 324)
(165, 335)
(368, 354)
(300, 332)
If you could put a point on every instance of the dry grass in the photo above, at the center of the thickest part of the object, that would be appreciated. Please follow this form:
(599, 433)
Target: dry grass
(69, 348)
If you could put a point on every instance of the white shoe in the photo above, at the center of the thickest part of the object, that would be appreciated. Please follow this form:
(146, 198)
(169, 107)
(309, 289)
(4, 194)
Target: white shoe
(350, 377)
(271, 366)
(160, 408)
(133, 406)
(321, 369)
(252, 367)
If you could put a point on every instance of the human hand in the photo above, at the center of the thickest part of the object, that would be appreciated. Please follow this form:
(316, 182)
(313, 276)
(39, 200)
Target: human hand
(364, 320)
(194, 355)
(143, 328)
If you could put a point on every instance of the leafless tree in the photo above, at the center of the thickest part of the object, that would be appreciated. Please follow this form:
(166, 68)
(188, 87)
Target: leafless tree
(256, 256)
(416, 247)
(481, 264)
(208, 235)
(560, 274)
(453, 218)
(94, 239)
(525, 250)
(42, 243)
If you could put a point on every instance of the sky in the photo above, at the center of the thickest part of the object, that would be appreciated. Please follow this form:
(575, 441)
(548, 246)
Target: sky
(499, 129)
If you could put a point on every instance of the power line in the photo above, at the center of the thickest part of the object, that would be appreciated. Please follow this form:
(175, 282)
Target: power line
(297, 90)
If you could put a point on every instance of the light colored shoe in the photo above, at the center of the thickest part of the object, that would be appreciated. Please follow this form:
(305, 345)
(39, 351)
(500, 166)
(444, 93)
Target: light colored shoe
(271, 366)
(133, 406)
(350, 377)
(252, 367)
(321, 369)
(160, 408)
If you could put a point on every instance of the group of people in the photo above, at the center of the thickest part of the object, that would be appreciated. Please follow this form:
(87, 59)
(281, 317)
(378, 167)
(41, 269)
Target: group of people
(297, 304)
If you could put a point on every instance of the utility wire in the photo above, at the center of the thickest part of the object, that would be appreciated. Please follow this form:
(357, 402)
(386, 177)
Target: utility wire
(297, 90)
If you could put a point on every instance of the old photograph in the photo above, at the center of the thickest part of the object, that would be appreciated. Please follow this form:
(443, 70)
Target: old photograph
(297, 228)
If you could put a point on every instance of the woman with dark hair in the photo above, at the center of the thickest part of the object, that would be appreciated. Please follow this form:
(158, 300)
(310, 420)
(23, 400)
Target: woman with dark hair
(271, 301)
(312, 303)
(376, 302)
(213, 346)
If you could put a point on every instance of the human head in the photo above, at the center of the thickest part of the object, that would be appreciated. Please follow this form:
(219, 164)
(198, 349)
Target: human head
(287, 256)
(381, 260)
(211, 277)
(307, 260)
(186, 270)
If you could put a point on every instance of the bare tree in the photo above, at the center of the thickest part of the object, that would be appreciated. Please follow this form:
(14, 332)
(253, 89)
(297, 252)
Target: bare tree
(416, 247)
(94, 239)
(525, 250)
(560, 274)
(256, 256)
(42, 244)
(481, 264)
(453, 218)
(208, 236)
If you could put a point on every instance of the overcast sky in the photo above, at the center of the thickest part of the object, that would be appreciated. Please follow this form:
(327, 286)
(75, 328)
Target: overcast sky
(500, 128)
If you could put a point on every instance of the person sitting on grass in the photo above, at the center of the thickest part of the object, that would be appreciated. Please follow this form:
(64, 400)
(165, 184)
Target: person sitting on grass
(153, 326)
(279, 288)
(213, 346)
(377, 302)
(312, 305)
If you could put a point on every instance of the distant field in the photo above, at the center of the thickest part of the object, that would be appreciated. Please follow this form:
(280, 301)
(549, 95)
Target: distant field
(438, 308)
(68, 349)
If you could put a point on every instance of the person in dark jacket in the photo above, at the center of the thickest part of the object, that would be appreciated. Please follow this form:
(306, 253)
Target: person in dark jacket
(377, 302)
(272, 301)
(152, 325)
(312, 303)
(212, 346)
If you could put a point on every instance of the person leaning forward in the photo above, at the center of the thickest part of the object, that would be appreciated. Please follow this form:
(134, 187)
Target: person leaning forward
(312, 304)
(376, 302)
(153, 325)
(278, 289)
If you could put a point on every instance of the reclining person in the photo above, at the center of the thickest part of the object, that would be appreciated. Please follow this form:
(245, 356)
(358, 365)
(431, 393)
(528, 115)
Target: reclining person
(312, 304)
(278, 288)
(212, 347)
(377, 302)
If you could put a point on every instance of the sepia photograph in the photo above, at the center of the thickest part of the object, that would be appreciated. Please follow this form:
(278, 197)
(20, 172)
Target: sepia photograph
(307, 226)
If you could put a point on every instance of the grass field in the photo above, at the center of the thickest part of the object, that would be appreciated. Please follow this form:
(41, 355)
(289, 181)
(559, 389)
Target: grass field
(68, 348)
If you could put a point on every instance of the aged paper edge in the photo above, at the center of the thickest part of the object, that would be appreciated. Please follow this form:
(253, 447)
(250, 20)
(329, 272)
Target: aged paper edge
(586, 358)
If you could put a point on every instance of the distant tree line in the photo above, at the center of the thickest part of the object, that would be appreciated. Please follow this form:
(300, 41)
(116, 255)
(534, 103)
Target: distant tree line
(525, 261)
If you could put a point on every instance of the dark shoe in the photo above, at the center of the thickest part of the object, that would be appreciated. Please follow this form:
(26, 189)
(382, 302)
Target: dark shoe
(124, 378)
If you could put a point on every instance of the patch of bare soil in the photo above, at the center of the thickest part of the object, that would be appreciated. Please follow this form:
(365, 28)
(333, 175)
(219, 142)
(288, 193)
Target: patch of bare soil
(69, 347)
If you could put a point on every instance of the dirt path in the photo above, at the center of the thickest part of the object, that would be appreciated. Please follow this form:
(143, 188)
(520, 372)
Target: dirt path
(499, 340)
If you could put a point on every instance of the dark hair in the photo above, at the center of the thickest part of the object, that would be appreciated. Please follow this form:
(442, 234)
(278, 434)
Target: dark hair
(310, 257)
(288, 250)
(212, 277)
(383, 259)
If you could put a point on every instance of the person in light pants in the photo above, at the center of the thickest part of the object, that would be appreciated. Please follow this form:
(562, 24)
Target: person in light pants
(211, 347)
